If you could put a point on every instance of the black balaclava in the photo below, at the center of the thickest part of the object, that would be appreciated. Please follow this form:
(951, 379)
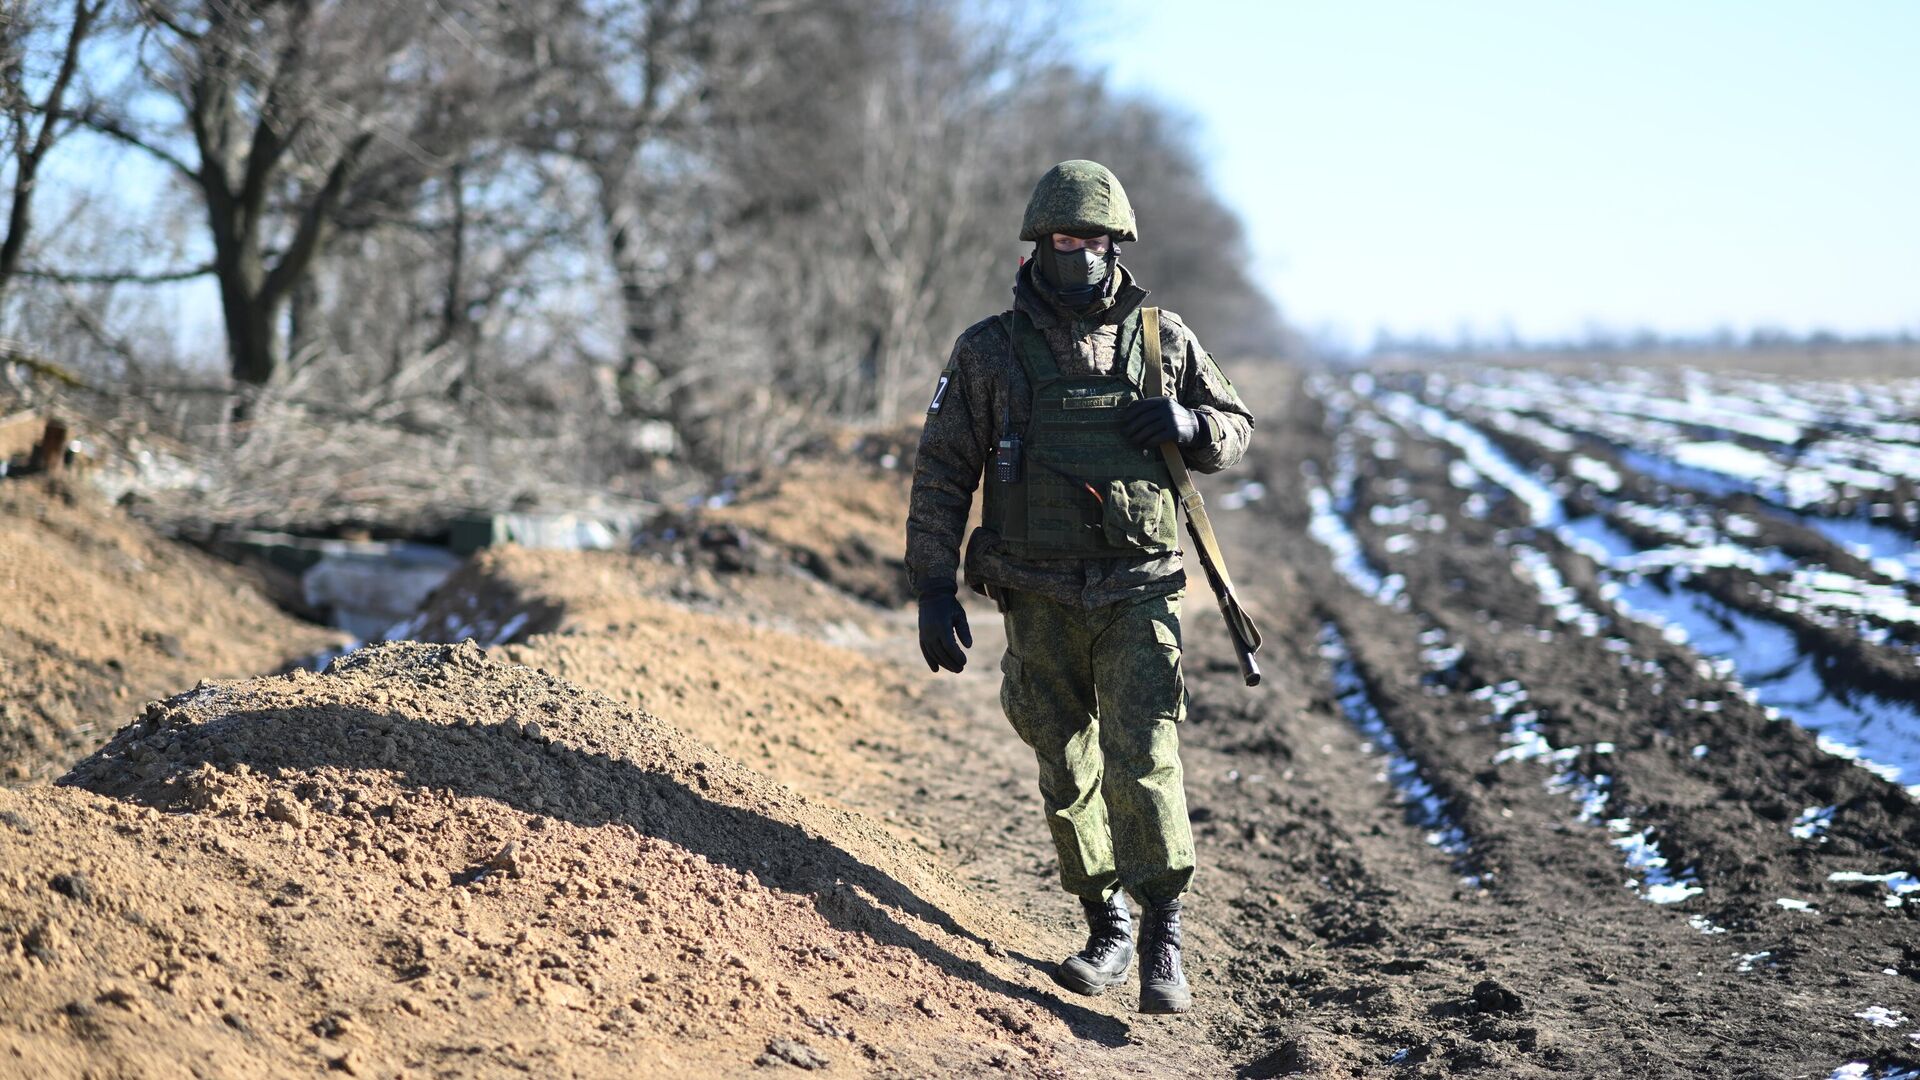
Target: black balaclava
(1078, 278)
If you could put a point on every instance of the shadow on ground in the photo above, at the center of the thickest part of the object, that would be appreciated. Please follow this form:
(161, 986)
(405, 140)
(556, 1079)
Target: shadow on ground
(850, 894)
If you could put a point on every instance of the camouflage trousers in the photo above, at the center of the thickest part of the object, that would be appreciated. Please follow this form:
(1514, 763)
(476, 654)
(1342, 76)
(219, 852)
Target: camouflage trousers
(1098, 695)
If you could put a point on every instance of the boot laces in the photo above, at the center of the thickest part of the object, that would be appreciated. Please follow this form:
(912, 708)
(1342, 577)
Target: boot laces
(1163, 947)
(1108, 925)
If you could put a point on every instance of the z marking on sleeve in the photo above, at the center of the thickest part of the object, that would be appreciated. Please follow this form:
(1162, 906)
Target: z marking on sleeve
(939, 392)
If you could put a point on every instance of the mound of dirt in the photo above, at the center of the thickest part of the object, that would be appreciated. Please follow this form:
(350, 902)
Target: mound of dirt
(791, 707)
(840, 521)
(98, 612)
(755, 665)
(428, 859)
(509, 594)
(835, 510)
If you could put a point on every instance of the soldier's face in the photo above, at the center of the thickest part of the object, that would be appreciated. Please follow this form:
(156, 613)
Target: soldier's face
(1066, 244)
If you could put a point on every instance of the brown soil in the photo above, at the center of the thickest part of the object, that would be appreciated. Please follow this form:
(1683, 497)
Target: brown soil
(663, 906)
(434, 860)
(98, 613)
(792, 707)
(839, 517)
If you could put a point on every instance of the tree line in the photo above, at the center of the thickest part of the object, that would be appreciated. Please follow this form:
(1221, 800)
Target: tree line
(711, 224)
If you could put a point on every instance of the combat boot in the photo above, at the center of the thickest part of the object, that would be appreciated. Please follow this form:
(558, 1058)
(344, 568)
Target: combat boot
(1163, 986)
(1109, 947)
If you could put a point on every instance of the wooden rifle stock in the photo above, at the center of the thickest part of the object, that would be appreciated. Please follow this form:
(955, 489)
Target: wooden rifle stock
(1240, 625)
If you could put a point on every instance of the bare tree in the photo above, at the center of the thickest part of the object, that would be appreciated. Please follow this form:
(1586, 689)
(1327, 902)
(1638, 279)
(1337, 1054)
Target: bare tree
(635, 113)
(297, 115)
(34, 124)
(621, 230)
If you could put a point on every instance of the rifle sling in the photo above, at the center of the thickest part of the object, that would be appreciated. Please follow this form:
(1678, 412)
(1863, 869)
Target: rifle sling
(1198, 524)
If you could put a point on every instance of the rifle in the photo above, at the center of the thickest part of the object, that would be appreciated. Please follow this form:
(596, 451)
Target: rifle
(1240, 627)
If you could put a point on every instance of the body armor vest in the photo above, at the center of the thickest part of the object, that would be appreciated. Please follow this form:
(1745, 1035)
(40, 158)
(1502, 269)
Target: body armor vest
(1077, 488)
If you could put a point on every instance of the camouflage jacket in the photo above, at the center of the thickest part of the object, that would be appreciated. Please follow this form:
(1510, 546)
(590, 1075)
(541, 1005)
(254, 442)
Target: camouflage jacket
(982, 378)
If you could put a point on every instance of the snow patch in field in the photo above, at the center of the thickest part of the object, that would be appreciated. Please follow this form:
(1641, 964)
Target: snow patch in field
(1783, 674)
(319, 661)
(1423, 805)
(1860, 1070)
(1349, 559)
(1490, 461)
(1657, 883)
(1889, 549)
(1728, 459)
(1833, 591)
(1533, 430)
(1436, 652)
(1800, 445)
(405, 629)
(1898, 882)
(1890, 773)
(1250, 492)
(1813, 821)
(507, 630)
(1535, 566)
(1462, 475)
(1881, 1016)
(1659, 886)
(1596, 472)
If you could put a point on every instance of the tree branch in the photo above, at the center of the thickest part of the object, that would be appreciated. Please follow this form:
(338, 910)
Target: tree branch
(269, 141)
(116, 277)
(96, 328)
(98, 122)
(313, 222)
(152, 11)
(13, 352)
(29, 156)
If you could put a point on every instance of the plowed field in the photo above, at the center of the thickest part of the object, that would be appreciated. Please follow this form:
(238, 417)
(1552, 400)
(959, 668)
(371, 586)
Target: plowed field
(1613, 856)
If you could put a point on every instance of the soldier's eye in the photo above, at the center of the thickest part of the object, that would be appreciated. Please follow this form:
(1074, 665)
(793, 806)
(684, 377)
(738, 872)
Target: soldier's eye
(1096, 244)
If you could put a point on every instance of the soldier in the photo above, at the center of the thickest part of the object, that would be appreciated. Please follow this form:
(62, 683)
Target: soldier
(1079, 548)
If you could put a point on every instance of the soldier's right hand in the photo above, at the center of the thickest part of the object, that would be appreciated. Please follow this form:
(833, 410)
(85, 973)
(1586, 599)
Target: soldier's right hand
(941, 619)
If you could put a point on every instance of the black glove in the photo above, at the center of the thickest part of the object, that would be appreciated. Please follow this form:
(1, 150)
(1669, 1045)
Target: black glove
(940, 617)
(1152, 421)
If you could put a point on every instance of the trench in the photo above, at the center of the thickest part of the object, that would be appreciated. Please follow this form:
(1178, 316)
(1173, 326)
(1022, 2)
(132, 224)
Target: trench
(375, 589)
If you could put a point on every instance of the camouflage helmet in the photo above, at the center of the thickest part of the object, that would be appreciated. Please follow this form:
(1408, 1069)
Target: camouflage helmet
(1079, 198)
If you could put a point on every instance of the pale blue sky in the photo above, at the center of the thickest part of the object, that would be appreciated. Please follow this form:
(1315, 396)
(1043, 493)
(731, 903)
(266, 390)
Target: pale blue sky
(1424, 166)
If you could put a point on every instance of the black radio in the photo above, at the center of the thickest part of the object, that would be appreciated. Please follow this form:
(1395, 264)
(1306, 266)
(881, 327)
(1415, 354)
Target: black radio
(1006, 459)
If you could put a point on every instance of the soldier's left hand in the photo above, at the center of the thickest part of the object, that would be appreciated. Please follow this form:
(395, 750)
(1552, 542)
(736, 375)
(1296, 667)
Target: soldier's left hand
(944, 635)
(1152, 421)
